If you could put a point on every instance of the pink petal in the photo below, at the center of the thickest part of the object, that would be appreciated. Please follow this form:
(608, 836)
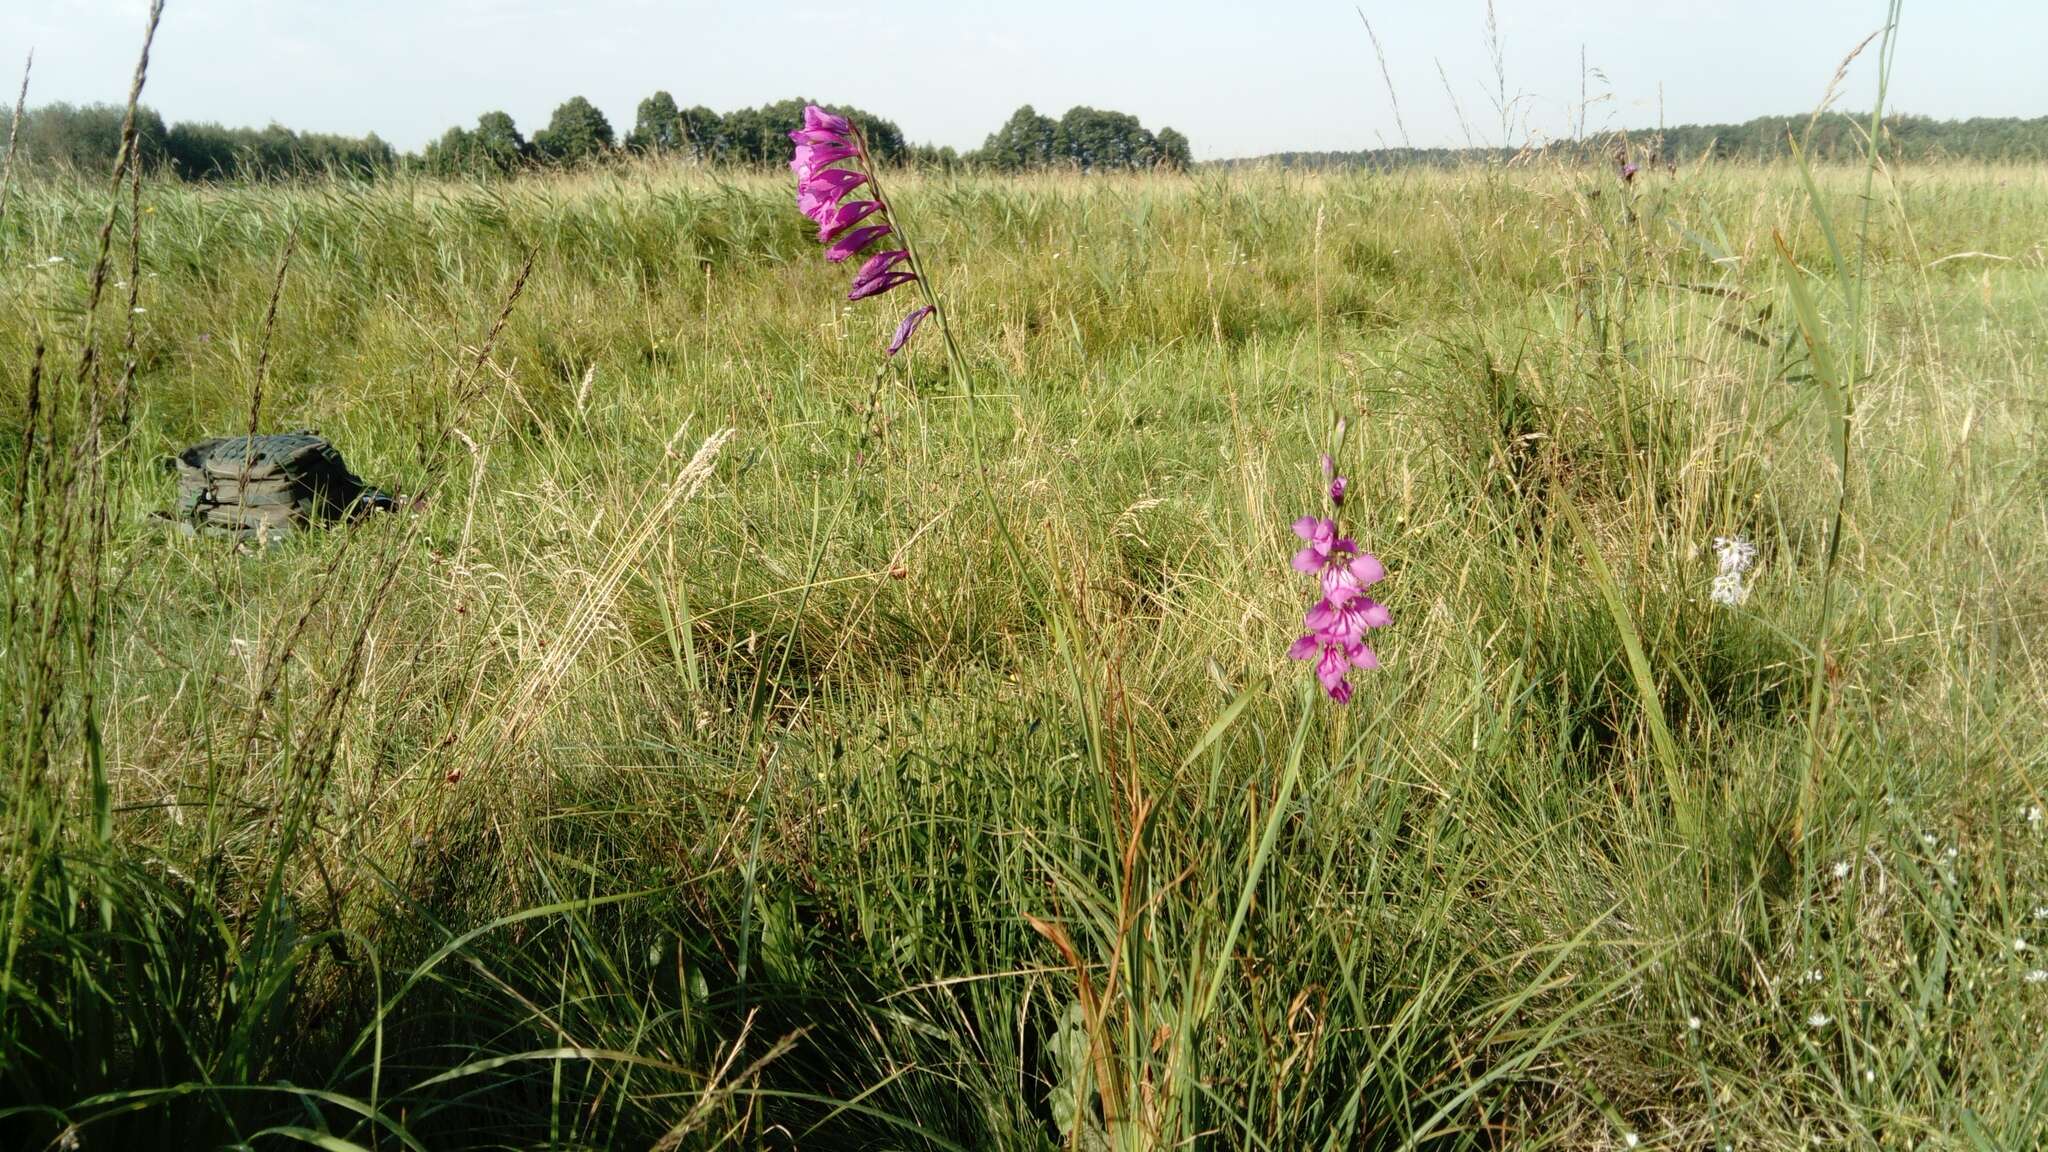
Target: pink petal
(1308, 560)
(1367, 569)
(1306, 527)
(1374, 613)
(1303, 648)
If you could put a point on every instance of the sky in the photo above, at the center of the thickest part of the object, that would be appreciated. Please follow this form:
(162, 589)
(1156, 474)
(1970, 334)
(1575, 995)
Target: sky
(1239, 79)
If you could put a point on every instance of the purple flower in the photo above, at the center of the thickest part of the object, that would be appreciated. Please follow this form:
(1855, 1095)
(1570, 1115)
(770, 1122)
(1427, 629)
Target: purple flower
(1334, 661)
(1323, 544)
(819, 192)
(851, 243)
(1628, 173)
(810, 158)
(1338, 621)
(907, 328)
(838, 220)
(875, 277)
(823, 141)
(816, 119)
(1337, 486)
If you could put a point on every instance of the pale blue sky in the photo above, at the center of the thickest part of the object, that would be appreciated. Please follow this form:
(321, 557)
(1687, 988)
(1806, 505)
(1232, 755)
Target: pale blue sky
(1237, 78)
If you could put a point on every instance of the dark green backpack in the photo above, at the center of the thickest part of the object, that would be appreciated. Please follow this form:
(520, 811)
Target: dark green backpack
(268, 486)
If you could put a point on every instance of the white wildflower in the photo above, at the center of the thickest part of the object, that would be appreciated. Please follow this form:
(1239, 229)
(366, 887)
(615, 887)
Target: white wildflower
(1692, 1023)
(1736, 553)
(1819, 1019)
(1815, 976)
(1841, 869)
(2041, 912)
(2019, 944)
(54, 260)
(1927, 838)
(1949, 853)
(1630, 1139)
(2032, 812)
(138, 310)
(2037, 976)
(1869, 1075)
(1728, 590)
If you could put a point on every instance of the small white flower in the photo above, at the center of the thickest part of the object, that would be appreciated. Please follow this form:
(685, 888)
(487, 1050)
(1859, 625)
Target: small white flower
(2041, 912)
(138, 310)
(2037, 976)
(1815, 976)
(1819, 1019)
(2032, 812)
(1728, 590)
(1630, 1139)
(1841, 869)
(54, 260)
(1927, 838)
(1735, 553)
(2019, 944)
(1869, 1075)
(1692, 1023)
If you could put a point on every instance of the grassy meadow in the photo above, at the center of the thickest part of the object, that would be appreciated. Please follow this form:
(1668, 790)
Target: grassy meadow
(696, 766)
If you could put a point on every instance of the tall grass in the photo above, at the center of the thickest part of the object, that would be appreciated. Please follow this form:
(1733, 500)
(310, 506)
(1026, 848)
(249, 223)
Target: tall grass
(650, 787)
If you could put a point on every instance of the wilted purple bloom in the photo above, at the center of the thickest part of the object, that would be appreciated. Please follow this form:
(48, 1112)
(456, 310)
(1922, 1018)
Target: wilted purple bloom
(1628, 173)
(851, 243)
(838, 220)
(908, 327)
(1337, 486)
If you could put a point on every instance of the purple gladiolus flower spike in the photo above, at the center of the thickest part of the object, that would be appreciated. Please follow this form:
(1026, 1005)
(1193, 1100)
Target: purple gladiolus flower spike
(824, 141)
(1338, 621)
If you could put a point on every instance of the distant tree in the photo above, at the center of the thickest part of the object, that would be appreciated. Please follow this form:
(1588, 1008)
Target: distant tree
(657, 125)
(1025, 141)
(1095, 140)
(699, 130)
(498, 142)
(87, 138)
(576, 133)
(1174, 152)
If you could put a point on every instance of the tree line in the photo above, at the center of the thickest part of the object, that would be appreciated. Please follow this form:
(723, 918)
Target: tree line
(86, 138)
(1835, 136)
